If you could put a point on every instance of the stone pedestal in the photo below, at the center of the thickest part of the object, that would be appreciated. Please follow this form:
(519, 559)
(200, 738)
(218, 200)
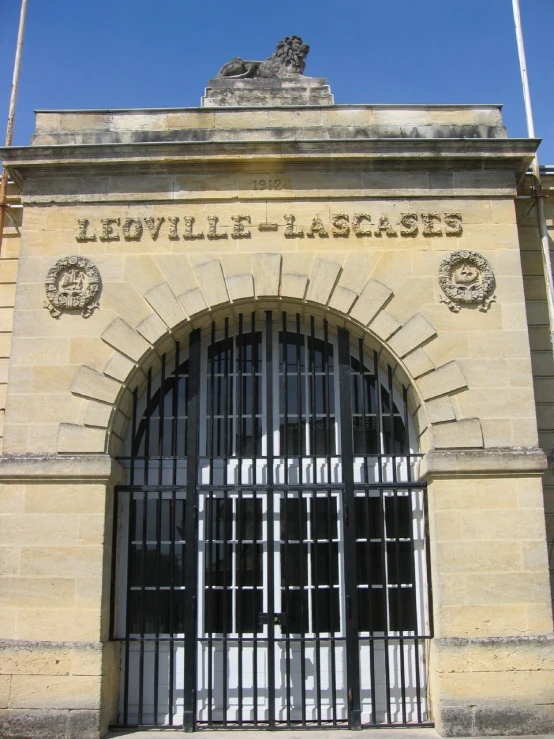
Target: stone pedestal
(269, 92)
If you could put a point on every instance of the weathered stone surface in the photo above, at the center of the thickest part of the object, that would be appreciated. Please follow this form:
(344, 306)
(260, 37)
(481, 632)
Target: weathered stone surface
(407, 121)
(384, 325)
(445, 379)
(440, 410)
(166, 305)
(323, 278)
(83, 467)
(125, 339)
(370, 301)
(512, 720)
(294, 286)
(74, 439)
(37, 724)
(456, 721)
(93, 384)
(504, 461)
(212, 282)
(84, 725)
(119, 367)
(342, 299)
(152, 328)
(418, 363)
(5, 685)
(463, 434)
(193, 301)
(55, 691)
(266, 273)
(413, 333)
(240, 287)
(268, 92)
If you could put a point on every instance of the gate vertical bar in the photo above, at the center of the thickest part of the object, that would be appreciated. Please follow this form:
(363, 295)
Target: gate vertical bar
(222, 397)
(284, 512)
(270, 517)
(301, 361)
(172, 528)
(254, 415)
(351, 592)
(191, 537)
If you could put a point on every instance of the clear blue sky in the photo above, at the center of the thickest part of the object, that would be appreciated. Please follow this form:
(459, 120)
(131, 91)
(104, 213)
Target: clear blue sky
(160, 53)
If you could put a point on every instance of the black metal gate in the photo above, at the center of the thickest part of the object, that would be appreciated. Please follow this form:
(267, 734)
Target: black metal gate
(270, 563)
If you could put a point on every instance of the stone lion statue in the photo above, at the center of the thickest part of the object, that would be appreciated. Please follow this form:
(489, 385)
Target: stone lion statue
(286, 61)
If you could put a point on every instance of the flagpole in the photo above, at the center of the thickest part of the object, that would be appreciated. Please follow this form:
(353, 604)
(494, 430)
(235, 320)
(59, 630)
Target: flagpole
(536, 190)
(11, 115)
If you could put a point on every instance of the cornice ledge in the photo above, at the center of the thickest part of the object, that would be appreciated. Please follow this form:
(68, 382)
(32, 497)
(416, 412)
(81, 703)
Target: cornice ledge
(498, 461)
(24, 645)
(303, 148)
(511, 640)
(82, 467)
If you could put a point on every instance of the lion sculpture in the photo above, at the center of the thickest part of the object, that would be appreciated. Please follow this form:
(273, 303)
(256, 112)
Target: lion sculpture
(286, 61)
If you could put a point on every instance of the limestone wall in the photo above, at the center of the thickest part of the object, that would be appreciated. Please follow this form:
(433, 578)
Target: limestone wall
(57, 669)
(483, 358)
(8, 277)
(285, 123)
(355, 234)
(541, 346)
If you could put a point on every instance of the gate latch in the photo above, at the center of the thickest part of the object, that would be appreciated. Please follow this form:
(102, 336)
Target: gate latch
(279, 619)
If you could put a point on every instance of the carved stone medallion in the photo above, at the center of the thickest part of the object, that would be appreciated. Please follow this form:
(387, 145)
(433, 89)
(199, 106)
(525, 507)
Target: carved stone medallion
(466, 278)
(72, 284)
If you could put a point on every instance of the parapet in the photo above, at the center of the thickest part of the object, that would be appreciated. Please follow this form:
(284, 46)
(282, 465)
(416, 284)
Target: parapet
(268, 123)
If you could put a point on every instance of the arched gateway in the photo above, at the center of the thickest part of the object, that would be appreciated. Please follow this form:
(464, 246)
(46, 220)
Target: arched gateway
(270, 537)
(268, 549)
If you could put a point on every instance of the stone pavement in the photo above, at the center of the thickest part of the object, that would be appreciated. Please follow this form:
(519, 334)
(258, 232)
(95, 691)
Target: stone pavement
(283, 734)
(298, 734)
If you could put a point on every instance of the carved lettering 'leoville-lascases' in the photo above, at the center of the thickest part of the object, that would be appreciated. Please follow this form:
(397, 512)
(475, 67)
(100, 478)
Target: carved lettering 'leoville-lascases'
(188, 228)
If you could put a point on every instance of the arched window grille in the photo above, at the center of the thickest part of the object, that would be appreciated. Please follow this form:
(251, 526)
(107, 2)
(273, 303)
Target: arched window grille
(271, 550)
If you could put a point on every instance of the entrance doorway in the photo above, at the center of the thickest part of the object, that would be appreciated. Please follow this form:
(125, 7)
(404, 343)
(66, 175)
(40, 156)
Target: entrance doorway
(270, 549)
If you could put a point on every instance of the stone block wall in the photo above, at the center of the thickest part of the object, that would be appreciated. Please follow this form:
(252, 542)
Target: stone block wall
(466, 366)
(317, 226)
(57, 668)
(8, 277)
(539, 337)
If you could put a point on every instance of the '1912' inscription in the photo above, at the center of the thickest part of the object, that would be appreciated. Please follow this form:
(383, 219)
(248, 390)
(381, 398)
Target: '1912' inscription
(341, 225)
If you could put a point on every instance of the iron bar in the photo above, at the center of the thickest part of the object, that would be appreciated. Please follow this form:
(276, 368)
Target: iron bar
(270, 456)
(316, 615)
(113, 574)
(298, 529)
(190, 535)
(333, 631)
(350, 583)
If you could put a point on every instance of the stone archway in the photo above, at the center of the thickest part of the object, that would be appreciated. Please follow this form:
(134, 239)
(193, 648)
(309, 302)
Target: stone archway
(365, 309)
(216, 428)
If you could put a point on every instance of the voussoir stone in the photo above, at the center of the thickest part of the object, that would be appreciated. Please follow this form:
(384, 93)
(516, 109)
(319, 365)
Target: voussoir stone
(166, 305)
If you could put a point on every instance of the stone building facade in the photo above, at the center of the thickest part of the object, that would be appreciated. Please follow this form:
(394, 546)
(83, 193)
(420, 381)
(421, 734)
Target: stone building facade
(315, 335)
